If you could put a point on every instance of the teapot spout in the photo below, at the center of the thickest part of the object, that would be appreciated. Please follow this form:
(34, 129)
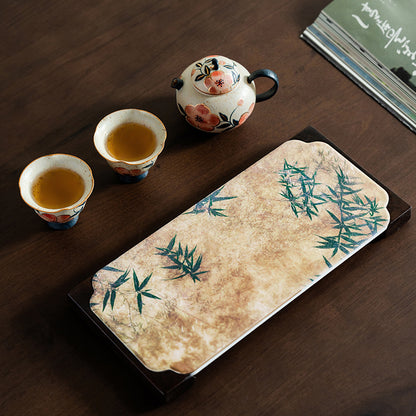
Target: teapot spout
(177, 83)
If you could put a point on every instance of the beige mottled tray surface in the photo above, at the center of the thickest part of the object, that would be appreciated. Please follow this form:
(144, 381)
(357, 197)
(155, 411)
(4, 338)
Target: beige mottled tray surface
(188, 292)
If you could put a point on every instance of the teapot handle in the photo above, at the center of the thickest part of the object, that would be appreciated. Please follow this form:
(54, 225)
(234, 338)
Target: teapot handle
(267, 73)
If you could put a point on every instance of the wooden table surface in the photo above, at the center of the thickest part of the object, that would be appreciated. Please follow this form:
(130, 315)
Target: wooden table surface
(345, 347)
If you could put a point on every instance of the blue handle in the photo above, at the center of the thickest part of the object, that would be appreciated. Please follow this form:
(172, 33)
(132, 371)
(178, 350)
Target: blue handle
(267, 73)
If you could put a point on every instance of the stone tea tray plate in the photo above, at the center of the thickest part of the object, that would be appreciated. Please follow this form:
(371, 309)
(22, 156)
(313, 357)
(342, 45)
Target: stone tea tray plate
(187, 293)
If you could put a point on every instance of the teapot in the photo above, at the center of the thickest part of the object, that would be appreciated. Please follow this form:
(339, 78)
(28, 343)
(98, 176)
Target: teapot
(216, 94)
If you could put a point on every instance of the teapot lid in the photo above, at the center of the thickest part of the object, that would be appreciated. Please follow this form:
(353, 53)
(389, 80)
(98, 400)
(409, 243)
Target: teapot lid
(215, 75)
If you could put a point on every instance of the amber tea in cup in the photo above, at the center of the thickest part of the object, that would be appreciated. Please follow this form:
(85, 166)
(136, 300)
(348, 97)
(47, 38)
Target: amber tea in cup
(58, 188)
(131, 141)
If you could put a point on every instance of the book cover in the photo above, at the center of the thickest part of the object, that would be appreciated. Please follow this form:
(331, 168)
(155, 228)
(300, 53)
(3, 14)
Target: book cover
(385, 28)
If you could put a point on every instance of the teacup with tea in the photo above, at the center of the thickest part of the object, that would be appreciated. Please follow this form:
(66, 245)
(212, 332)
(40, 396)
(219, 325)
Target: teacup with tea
(130, 140)
(57, 187)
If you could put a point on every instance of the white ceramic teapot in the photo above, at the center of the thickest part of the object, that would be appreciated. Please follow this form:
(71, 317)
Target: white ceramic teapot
(216, 94)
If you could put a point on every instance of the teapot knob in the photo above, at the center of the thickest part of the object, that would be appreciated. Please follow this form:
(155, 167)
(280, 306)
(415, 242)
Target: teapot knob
(177, 83)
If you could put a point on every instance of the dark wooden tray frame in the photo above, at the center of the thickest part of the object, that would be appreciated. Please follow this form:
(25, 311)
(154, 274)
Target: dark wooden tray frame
(168, 383)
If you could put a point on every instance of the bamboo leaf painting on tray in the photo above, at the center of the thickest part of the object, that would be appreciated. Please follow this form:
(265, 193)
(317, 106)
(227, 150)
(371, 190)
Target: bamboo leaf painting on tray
(188, 292)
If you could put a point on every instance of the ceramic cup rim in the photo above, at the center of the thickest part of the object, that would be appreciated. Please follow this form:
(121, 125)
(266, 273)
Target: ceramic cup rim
(78, 203)
(100, 138)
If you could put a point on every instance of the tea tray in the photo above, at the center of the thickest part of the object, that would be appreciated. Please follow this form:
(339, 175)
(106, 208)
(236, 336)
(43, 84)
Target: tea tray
(187, 293)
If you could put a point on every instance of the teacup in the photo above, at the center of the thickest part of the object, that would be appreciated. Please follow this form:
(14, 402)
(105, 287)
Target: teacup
(62, 217)
(130, 171)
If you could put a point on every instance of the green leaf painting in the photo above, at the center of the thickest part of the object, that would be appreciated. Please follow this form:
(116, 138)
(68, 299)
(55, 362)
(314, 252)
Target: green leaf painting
(299, 190)
(354, 219)
(111, 292)
(183, 260)
(111, 269)
(327, 262)
(207, 204)
(141, 291)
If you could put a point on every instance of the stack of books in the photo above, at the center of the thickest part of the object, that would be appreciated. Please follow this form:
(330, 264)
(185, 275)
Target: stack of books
(374, 43)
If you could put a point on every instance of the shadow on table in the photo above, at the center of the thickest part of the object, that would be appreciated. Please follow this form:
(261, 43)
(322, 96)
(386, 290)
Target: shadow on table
(73, 358)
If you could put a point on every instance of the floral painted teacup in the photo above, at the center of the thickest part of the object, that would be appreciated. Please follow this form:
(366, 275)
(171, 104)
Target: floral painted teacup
(130, 171)
(62, 217)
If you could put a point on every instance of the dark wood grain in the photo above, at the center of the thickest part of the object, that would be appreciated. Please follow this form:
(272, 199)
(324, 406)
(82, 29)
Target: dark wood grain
(346, 347)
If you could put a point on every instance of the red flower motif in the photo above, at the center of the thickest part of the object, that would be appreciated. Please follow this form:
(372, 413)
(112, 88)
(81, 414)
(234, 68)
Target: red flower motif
(200, 116)
(218, 82)
(48, 217)
(63, 218)
(124, 171)
(246, 115)
(53, 218)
